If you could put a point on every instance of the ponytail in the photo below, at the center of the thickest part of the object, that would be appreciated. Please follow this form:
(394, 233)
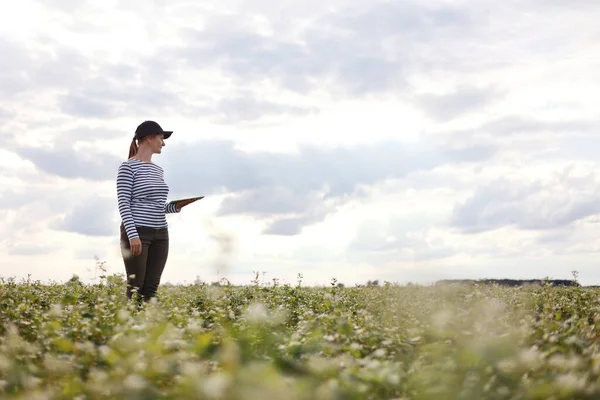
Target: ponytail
(133, 148)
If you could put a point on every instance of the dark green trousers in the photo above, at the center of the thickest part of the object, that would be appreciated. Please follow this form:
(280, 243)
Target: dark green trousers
(144, 271)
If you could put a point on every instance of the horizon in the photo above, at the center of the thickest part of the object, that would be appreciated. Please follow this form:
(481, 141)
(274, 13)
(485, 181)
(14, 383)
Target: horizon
(274, 282)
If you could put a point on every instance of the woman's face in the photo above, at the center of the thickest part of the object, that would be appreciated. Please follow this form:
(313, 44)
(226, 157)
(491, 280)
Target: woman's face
(156, 143)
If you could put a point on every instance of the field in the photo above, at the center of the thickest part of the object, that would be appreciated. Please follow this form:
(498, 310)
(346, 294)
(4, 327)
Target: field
(76, 341)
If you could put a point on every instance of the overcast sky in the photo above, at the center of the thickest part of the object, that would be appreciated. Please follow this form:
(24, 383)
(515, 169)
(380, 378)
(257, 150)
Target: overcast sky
(404, 141)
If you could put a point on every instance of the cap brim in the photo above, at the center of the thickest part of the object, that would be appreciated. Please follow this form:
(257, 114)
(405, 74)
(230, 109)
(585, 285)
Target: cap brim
(167, 134)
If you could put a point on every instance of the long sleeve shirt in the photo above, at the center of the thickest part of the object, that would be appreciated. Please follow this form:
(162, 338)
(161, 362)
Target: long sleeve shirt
(142, 196)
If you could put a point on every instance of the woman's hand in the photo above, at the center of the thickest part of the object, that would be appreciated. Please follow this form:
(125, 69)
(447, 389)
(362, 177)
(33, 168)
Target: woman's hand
(180, 204)
(136, 246)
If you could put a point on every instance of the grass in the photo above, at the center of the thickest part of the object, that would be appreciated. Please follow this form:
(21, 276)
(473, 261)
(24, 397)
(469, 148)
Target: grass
(76, 341)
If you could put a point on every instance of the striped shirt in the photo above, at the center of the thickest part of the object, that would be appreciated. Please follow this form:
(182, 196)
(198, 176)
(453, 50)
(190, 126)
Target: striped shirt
(142, 196)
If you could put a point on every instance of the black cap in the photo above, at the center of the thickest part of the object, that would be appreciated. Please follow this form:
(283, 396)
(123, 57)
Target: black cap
(147, 128)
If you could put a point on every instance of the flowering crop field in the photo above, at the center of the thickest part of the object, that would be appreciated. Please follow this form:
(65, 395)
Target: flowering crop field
(77, 341)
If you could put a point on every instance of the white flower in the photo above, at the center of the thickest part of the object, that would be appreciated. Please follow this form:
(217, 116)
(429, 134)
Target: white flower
(123, 315)
(320, 365)
(393, 379)
(86, 347)
(159, 365)
(256, 313)
(134, 382)
(55, 311)
(104, 351)
(4, 363)
(192, 369)
(564, 363)
(379, 353)
(441, 318)
(530, 357)
(57, 365)
(140, 366)
(98, 375)
(215, 386)
(31, 381)
(507, 365)
(571, 381)
(571, 340)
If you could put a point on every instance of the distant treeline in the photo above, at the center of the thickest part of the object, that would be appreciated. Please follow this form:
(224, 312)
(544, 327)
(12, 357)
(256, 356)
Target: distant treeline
(510, 282)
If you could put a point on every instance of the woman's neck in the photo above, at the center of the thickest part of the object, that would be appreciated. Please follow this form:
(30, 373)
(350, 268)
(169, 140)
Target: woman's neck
(143, 154)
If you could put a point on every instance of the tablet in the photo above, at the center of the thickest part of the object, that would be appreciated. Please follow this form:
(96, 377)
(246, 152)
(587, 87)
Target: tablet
(188, 198)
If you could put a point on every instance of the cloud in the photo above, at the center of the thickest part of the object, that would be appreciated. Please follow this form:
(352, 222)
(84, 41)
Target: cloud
(529, 138)
(462, 100)
(101, 89)
(69, 163)
(219, 166)
(289, 211)
(385, 39)
(90, 133)
(5, 114)
(517, 125)
(265, 202)
(12, 79)
(11, 199)
(30, 211)
(90, 217)
(247, 107)
(567, 3)
(100, 97)
(400, 237)
(288, 191)
(24, 70)
(303, 187)
(83, 86)
(391, 43)
(31, 249)
(84, 105)
(537, 205)
(290, 226)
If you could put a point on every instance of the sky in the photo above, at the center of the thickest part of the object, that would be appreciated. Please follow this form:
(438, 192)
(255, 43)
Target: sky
(399, 141)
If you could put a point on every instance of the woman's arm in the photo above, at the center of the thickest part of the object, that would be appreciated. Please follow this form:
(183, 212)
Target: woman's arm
(171, 208)
(176, 206)
(124, 189)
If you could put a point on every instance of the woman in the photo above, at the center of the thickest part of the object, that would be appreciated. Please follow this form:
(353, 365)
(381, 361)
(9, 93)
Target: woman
(142, 200)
